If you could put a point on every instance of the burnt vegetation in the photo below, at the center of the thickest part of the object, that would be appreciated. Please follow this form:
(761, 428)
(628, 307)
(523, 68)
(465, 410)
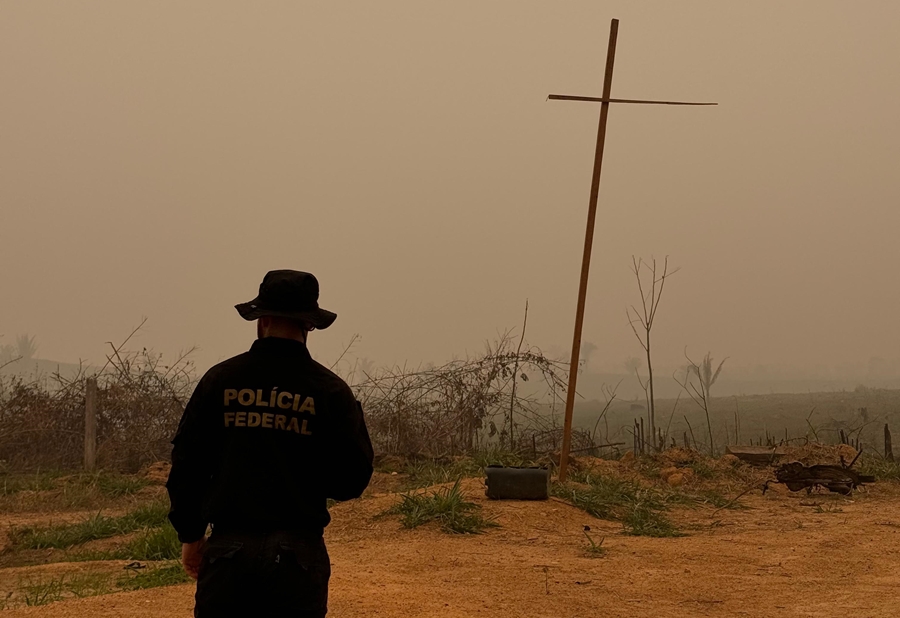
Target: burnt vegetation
(140, 400)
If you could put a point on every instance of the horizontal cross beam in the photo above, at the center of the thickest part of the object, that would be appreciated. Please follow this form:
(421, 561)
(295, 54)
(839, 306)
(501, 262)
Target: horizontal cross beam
(569, 97)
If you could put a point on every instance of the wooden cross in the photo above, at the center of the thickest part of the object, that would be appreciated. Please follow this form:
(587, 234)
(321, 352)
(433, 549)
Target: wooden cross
(604, 101)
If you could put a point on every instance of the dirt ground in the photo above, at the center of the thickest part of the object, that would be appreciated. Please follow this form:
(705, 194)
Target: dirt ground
(784, 555)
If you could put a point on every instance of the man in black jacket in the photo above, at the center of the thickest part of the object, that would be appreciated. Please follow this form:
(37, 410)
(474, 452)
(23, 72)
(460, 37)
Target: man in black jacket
(267, 437)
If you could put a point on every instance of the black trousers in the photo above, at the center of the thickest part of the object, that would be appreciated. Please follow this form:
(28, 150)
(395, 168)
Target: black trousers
(272, 575)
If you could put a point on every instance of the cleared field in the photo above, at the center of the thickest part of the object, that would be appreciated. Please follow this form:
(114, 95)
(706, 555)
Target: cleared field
(780, 554)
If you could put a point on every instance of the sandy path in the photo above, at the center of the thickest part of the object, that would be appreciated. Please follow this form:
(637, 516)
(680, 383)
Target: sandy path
(777, 558)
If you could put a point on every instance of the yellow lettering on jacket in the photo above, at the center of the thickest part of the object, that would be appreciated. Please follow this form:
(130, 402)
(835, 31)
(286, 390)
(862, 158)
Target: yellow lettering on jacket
(230, 395)
(284, 400)
(259, 399)
(308, 406)
(269, 420)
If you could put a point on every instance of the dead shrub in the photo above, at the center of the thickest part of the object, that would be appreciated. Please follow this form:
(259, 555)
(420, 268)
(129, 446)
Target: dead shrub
(139, 403)
(467, 405)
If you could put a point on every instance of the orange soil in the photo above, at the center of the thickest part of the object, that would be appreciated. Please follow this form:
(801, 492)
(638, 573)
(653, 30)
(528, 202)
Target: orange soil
(779, 557)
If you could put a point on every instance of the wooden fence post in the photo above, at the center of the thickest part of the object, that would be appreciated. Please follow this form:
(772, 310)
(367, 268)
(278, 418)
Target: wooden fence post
(90, 425)
(888, 450)
(643, 447)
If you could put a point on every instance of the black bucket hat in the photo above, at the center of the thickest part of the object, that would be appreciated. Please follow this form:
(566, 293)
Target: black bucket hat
(288, 294)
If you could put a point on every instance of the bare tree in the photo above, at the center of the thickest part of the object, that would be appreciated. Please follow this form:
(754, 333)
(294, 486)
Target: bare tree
(698, 382)
(632, 364)
(26, 347)
(641, 321)
(515, 379)
(609, 396)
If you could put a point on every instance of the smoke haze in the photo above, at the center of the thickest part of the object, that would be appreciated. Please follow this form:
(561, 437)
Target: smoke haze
(158, 158)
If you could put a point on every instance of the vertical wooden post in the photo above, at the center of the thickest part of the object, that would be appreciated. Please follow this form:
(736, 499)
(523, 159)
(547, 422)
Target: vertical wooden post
(643, 443)
(888, 449)
(588, 245)
(90, 425)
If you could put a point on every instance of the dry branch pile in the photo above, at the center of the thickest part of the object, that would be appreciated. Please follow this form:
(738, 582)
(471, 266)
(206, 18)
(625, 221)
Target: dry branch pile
(506, 397)
(140, 401)
(840, 479)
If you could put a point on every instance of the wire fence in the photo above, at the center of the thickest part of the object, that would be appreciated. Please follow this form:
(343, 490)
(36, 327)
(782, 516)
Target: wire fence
(510, 396)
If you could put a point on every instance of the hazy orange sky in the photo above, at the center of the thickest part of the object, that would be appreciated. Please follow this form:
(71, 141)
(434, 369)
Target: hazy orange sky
(157, 158)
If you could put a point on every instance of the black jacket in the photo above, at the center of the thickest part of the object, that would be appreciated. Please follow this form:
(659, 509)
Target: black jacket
(266, 438)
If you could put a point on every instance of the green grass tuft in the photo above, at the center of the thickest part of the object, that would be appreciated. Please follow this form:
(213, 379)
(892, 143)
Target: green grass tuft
(10, 485)
(606, 497)
(79, 585)
(594, 549)
(99, 526)
(446, 506)
(152, 514)
(641, 520)
(170, 574)
(153, 544)
(55, 491)
(703, 469)
(880, 468)
(428, 472)
(62, 536)
(67, 586)
(116, 485)
(431, 472)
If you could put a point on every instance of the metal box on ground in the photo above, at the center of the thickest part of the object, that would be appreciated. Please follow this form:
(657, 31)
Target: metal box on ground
(509, 483)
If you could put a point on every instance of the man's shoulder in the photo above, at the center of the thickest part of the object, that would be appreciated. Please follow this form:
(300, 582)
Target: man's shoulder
(324, 376)
(226, 367)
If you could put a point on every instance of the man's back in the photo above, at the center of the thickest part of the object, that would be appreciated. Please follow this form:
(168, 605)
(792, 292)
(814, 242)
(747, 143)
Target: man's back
(267, 437)
(276, 434)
